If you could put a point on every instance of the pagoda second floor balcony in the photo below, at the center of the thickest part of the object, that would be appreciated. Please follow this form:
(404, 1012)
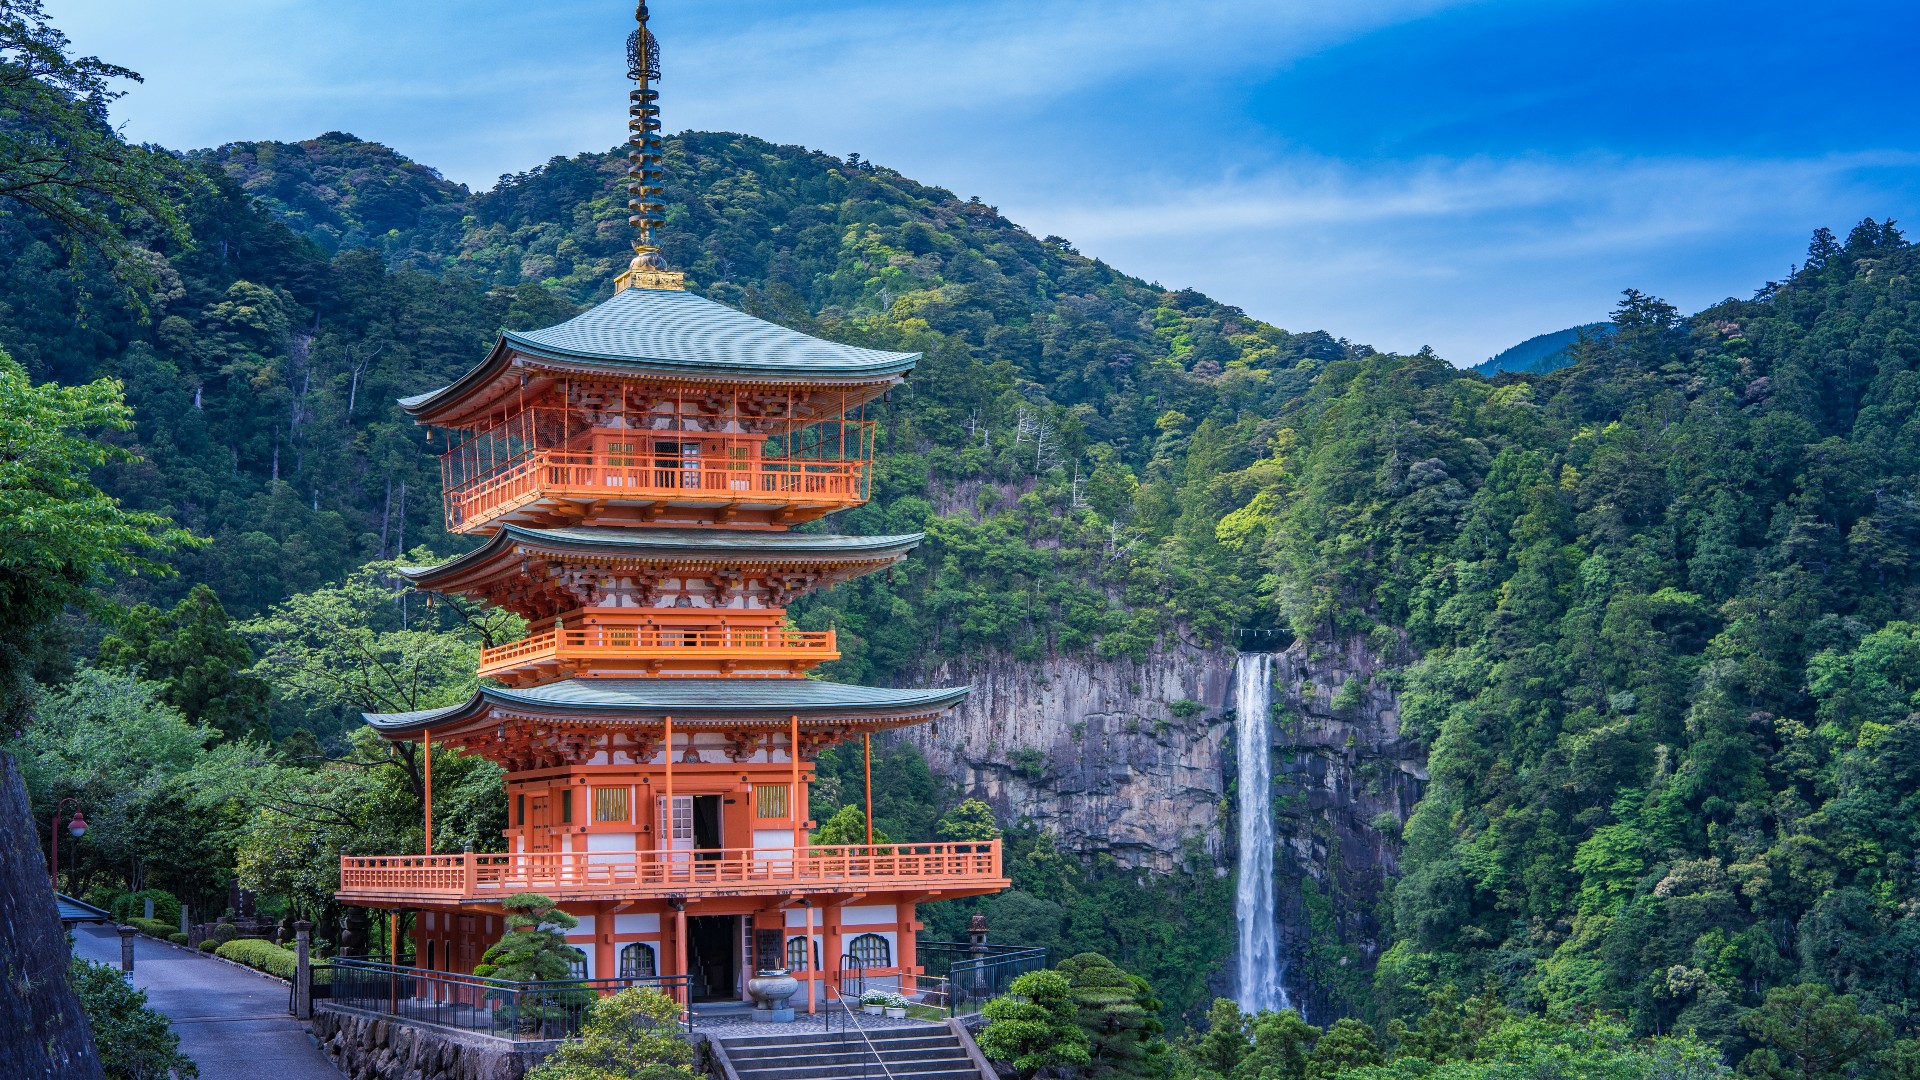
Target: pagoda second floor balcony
(568, 487)
(948, 869)
(625, 649)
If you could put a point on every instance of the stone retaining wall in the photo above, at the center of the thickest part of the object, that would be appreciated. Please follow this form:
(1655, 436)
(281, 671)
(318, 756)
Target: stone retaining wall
(368, 1046)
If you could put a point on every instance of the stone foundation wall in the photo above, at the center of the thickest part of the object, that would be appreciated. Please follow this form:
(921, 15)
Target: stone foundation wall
(366, 1046)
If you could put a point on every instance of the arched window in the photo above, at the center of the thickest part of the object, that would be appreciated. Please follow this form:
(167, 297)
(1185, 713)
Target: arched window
(578, 968)
(430, 944)
(870, 951)
(636, 961)
(797, 959)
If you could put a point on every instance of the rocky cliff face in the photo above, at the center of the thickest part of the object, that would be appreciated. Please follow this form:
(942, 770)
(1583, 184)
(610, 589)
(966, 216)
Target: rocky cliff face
(1136, 759)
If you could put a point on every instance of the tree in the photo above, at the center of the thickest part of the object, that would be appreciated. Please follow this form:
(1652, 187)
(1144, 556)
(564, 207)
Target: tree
(1118, 1013)
(194, 654)
(134, 1041)
(1034, 1026)
(848, 826)
(1809, 1033)
(60, 159)
(633, 1035)
(1348, 1044)
(59, 533)
(970, 822)
(1227, 1041)
(534, 948)
(107, 739)
(1282, 1042)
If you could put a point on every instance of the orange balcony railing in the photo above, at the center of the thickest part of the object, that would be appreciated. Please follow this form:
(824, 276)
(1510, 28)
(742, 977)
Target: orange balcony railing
(626, 478)
(737, 645)
(576, 875)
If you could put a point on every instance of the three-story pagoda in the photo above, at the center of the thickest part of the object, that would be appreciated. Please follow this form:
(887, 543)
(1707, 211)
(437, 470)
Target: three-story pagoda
(634, 472)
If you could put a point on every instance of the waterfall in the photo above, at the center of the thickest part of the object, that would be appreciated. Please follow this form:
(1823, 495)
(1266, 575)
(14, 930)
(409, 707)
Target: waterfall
(1262, 975)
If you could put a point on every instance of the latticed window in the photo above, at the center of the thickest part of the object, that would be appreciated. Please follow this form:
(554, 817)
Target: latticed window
(870, 951)
(637, 961)
(770, 800)
(797, 959)
(578, 968)
(611, 804)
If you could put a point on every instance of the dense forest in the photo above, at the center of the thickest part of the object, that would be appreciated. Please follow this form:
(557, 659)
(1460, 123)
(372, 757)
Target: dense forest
(1654, 615)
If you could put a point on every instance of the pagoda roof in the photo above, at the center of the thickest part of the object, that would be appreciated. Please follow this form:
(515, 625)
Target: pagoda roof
(671, 333)
(613, 700)
(850, 556)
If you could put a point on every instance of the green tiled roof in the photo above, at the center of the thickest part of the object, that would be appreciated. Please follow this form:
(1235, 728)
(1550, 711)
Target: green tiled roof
(669, 543)
(689, 699)
(667, 332)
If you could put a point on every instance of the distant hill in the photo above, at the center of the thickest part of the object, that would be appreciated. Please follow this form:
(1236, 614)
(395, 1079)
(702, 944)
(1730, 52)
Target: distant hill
(1546, 352)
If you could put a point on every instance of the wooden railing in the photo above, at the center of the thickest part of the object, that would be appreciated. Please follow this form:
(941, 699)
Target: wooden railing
(721, 871)
(627, 641)
(560, 474)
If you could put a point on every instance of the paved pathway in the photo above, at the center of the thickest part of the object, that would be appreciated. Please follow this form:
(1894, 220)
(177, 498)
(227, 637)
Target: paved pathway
(232, 1023)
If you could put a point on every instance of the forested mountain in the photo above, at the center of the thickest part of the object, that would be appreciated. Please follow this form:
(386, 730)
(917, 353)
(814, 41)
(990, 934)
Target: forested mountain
(1539, 353)
(1652, 614)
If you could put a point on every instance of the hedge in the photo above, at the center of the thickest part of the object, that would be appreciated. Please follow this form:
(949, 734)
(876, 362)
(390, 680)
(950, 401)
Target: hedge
(177, 938)
(208, 945)
(263, 955)
(153, 927)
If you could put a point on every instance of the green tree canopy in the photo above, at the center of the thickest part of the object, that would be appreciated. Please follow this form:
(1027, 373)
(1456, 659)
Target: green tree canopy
(1035, 1026)
(193, 652)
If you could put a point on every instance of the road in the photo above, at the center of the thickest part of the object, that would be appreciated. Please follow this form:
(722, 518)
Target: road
(232, 1023)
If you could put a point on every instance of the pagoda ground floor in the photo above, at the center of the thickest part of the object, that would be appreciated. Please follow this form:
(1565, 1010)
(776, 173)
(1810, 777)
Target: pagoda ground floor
(853, 941)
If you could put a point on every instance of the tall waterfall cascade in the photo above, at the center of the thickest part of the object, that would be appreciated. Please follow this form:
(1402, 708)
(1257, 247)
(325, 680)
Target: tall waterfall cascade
(1261, 972)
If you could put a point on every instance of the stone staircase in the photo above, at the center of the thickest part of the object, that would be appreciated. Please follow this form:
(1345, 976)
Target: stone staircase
(907, 1053)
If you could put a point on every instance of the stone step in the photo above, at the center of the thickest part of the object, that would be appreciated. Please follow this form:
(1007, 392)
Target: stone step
(928, 1042)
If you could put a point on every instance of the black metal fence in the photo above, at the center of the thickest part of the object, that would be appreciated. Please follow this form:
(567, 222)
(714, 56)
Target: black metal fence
(962, 977)
(497, 1007)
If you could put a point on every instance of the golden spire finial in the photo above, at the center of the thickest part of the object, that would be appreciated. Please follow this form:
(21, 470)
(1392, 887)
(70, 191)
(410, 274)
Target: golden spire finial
(646, 164)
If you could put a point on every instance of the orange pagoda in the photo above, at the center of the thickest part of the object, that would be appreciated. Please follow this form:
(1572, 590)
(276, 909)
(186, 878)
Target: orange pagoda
(635, 471)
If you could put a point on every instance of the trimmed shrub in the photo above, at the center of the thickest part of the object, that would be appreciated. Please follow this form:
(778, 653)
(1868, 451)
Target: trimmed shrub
(225, 932)
(261, 955)
(151, 927)
(177, 937)
(208, 945)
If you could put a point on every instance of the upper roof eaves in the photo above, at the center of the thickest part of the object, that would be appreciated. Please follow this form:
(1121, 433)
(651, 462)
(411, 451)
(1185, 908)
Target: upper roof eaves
(668, 332)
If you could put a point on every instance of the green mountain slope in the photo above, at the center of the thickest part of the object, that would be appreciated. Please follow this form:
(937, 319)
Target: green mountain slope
(1652, 613)
(1540, 353)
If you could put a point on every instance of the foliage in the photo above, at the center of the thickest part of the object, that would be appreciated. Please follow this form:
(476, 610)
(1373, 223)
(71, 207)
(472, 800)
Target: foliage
(1809, 1033)
(106, 739)
(848, 826)
(192, 651)
(1033, 1026)
(970, 821)
(58, 532)
(159, 928)
(1119, 1014)
(134, 1041)
(365, 645)
(534, 948)
(264, 955)
(1598, 1050)
(633, 1035)
(61, 160)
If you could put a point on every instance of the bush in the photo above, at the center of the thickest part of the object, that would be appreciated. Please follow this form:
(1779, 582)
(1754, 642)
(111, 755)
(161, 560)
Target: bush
(225, 932)
(208, 945)
(260, 955)
(129, 907)
(133, 1041)
(151, 927)
(177, 938)
(636, 1032)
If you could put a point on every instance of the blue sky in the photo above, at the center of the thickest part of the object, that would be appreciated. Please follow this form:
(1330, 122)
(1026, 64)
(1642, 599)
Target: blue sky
(1399, 172)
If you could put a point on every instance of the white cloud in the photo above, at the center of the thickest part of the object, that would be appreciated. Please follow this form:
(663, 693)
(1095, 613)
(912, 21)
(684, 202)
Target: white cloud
(1468, 256)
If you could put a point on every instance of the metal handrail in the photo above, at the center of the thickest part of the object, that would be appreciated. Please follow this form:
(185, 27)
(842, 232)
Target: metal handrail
(854, 1023)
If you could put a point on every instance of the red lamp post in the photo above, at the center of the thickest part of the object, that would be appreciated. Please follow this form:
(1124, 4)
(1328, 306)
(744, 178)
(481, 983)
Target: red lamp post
(77, 825)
